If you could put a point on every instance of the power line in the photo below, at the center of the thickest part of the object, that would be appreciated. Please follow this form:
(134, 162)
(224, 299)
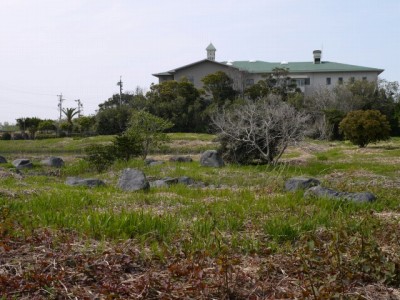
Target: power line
(25, 92)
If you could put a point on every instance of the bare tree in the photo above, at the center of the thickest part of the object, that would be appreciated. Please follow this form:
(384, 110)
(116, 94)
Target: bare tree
(259, 130)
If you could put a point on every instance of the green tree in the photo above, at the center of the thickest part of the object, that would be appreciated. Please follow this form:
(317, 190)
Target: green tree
(220, 86)
(29, 124)
(47, 125)
(178, 102)
(382, 95)
(85, 123)
(277, 83)
(113, 120)
(149, 129)
(70, 113)
(365, 127)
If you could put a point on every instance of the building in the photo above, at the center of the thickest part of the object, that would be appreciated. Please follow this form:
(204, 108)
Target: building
(309, 76)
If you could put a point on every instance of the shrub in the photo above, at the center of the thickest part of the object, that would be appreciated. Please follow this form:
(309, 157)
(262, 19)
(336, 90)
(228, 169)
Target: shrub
(100, 157)
(127, 146)
(364, 127)
(6, 136)
(149, 129)
(259, 130)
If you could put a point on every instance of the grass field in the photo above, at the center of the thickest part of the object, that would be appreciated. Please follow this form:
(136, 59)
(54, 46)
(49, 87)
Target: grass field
(240, 237)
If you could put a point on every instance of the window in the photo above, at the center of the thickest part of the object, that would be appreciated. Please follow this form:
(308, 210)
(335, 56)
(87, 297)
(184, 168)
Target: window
(191, 79)
(352, 79)
(249, 82)
(364, 78)
(340, 80)
(328, 81)
(307, 81)
(300, 82)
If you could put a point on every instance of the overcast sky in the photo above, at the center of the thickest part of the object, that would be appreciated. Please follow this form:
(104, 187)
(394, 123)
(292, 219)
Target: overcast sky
(80, 48)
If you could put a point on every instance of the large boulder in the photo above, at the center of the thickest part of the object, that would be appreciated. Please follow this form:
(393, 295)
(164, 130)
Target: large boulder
(319, 191)
(181, 159)
(53, 161)
(300, 183)
(211, 158)
(90, 182)
(22, 163)
(3, 160)
(133, 180)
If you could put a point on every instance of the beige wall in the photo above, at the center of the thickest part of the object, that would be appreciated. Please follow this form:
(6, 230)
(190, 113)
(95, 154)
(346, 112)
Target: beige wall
(318, 80)
(197, 72)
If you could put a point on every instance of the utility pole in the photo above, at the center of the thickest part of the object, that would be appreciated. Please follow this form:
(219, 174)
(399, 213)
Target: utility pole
(60, 101)
(120, 90)
(80, 106)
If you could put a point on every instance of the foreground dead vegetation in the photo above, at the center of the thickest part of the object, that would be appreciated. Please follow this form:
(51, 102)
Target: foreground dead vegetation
(209, 256)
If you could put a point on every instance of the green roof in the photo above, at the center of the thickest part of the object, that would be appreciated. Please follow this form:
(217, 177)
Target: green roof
(298, 67)
(211, 47)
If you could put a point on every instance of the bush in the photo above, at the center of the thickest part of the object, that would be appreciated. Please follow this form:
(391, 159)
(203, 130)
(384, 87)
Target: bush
(259, 131)
(364, 127)
(127, 146)
(6, 136)
(100, 157)
(149, 130)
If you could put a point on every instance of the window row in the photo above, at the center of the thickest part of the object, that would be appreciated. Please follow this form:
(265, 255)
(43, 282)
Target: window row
(340, 80)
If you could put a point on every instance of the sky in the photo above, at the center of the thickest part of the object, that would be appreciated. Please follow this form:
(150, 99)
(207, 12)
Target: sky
(80, 48)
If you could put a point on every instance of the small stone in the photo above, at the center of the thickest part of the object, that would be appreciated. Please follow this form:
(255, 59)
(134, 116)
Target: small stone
(3, 160)
(211, 158)
(89, 182)
(300, 183)
(133, 180)
(52, 161)
(22, 163)
(319, 191)
(181, 159)
(185, 180)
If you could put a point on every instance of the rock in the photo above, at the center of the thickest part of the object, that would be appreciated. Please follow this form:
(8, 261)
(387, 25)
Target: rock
(152, 162)
(181, 159)
(165, 182)
(3, 160)
(197, 184)
(148, 161)
(22, 163)
(185, 180)
(158, 183)
(156, 163)
(133, 180)
(300, 183)
(52, 161)
(90, 182)
(319, 191)
(211, 158)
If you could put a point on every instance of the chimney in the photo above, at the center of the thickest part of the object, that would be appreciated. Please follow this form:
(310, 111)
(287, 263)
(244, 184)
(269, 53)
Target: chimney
(317, 56)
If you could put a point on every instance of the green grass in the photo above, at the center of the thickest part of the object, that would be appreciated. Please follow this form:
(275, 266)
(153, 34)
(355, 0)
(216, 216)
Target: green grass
(246, 211)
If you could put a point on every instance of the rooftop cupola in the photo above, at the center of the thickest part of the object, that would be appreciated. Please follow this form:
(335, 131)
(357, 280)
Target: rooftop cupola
(211, 52)
(317, 56)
